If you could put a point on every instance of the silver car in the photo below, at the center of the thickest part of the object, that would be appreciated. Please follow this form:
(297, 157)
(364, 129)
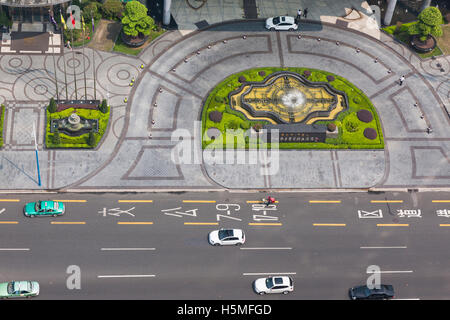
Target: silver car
(281, 23)
(224, 237)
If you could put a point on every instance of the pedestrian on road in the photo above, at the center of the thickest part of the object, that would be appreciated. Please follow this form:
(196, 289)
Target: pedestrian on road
(305, 13)
(402, 78)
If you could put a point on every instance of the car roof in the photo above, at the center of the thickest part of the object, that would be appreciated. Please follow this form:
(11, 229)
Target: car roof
(47, 204)
(281, 280)
(287, 19)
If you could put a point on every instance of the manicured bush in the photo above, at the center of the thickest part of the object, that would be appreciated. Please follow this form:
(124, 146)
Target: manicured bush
(242, 79)
(135, 20)
(215, 116)
(306, 73)
(103, 107)
(91, 139)
(56, 137)
(430, 20)
(2, 119)
(257, 127)
(351, 126)
(92, 10)
(262, 73)
(330, 78)
(232, 124)
(52, 107)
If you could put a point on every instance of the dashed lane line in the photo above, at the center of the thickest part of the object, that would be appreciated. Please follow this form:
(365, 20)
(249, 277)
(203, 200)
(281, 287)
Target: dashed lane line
(393, 225)
(67, 222)
(128, 249)
(134, 223)
(72, 201)
(199, 201)
(9, 200)
(264, 224)
(201, 223)
(325, 201)
(267, 273)
(386, 201)
(14, 249)
(127, 276)
(268, 248)
(393, 247)
(9, 222)
(329, 224)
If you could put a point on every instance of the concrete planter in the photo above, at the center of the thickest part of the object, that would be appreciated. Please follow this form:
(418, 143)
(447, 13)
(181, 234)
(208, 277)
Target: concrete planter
(423, 47)
(133, 42)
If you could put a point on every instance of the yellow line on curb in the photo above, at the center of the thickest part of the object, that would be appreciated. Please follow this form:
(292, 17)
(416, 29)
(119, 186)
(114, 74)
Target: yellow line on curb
(329, 224)
(80, 201)
(392, 225)
(199, 201)
(201, 223)
(134, 223)
(9, 222)
(324, 201)
(68, 222)
(386, 201)
(9, 200)
(441, 201)
(135, 201)
(264, 224)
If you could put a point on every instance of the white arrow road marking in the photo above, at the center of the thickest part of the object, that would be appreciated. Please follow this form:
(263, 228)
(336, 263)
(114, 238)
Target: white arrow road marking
(2, 210)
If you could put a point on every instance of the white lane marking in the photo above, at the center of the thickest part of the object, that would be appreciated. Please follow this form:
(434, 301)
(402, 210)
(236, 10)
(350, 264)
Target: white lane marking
(267, 273)
(393, 271)
(398, 247)
(125, 249)
(14, 249)
(2, 210)
(407, 299)
(267, 248)
(127, 276)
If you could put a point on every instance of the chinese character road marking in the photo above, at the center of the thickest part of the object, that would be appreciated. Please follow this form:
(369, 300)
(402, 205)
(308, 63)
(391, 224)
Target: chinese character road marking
(443, 213)
(116, 212)
(409, 213)
(191, 213)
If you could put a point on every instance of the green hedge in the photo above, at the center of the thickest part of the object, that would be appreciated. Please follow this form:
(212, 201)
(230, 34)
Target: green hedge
(81, 141)
(357, 100)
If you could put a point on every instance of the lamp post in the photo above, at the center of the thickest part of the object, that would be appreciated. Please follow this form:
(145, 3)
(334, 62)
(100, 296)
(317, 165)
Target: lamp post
(37, 157)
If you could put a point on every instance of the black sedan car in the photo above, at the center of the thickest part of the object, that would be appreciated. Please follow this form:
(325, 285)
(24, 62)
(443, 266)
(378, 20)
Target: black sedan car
(385, 291)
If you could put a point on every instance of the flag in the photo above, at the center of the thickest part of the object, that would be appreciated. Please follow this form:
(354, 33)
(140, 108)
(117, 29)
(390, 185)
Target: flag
(82, 23)
(72, 19)
(63, 22)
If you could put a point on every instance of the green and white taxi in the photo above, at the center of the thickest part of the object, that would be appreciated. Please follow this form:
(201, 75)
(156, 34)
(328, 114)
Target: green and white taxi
(44, 208)
(19, 289)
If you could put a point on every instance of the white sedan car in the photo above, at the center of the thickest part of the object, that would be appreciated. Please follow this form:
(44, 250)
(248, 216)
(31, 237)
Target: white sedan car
(225, 237)
(281, 284)
(281, 23)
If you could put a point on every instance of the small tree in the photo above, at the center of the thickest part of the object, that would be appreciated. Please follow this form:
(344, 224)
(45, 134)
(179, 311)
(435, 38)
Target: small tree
(430, 20)
(135, 20)
(91, 139)
(52, 107)
(112, 8)
(91, 10)
(103, 107)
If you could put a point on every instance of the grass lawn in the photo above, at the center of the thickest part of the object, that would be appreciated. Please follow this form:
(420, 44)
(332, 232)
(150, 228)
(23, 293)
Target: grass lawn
(82, 140)
(403, 36)
(120, 46)
(444, 41)
(232, 119)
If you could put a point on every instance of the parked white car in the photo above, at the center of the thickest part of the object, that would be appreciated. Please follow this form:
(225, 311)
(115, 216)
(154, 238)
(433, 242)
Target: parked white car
(225, 237)
(281, 23)
(280, 284)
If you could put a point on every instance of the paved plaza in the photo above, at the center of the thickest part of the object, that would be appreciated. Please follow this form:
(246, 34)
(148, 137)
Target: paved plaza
(166, 100)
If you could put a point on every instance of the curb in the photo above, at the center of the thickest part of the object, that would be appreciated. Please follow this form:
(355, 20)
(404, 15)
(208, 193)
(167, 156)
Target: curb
(348, 190)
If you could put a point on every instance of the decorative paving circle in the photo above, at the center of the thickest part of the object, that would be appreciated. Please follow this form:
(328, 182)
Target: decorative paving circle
(40, 89)
(116, 74)
(123, 74)
(73, 63)
(15, 62)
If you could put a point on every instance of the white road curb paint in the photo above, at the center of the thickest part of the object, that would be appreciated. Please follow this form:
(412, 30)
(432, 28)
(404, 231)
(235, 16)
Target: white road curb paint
(266, 248)
(399, 247)
(14, 249)
(126, 249)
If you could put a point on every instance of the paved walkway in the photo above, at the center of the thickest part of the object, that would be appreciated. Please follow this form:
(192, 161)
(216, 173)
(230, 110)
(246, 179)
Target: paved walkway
(138, 154)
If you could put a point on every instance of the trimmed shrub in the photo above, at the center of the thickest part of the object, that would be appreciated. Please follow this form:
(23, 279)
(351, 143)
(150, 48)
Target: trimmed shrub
(103, 107)
(351, 126)
(232, 124)
(242, 79)
(52, 107)
(331, 127)
(306, 73)
(215, 116)
(112, 9)
(330, 78)
(257, 127)
(56, 137)
(430, 20)
(91, 139)
(262, 73)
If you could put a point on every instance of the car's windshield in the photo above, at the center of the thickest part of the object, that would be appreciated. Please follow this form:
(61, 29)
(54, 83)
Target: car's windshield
(10, 287)
(269, 283)
(225, 233)
(38, 205)
(276, 20)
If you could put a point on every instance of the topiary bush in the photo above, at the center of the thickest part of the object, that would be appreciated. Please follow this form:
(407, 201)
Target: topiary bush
(430, 20)
(232, 124)
(56, 137)
(351, 126)
(215, 116)
(103, 107)
(91, 139)
(52, 107)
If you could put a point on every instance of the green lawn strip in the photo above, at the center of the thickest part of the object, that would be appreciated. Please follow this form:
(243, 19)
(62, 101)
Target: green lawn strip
(2, 118)
(82, 140)
(120, 46)
(218, 100)
(403, 36)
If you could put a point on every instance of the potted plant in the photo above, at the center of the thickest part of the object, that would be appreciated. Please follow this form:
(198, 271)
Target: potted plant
(423, 33)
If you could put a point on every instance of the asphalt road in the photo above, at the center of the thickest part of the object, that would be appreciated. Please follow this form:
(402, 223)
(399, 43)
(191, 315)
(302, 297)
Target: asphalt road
(154, 246)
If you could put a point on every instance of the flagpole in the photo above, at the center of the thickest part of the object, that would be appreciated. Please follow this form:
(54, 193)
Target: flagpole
(64, 55)
(93, 56)
(84, 61)
(73, 53)
(53, 49)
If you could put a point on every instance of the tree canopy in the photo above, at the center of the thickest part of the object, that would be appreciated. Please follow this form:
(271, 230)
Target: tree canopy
(430, 20)
(135, 20)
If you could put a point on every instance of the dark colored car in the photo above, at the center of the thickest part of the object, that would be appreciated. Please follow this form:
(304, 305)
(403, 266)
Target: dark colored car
(385, 291)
